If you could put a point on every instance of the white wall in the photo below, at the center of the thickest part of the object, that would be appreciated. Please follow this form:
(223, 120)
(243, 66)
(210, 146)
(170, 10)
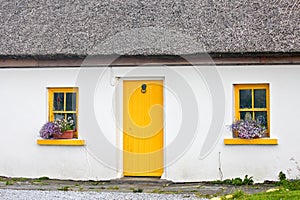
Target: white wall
(190, 114)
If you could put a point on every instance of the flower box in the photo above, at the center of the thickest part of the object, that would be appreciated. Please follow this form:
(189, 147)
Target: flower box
(68, 134)
(248, 129)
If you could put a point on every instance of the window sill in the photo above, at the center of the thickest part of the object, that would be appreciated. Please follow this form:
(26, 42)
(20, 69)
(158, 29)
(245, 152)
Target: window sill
(61, 142)
(260, 141)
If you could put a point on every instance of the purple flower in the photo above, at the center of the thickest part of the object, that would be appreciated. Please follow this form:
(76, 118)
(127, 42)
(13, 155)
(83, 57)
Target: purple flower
(49, 129)
(248, 129)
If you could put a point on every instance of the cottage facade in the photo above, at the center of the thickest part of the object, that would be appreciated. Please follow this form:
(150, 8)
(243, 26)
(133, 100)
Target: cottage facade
(152, 87)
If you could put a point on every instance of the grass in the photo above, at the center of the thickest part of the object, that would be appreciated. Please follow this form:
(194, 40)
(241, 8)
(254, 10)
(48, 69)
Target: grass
(289, 184)
(281, 194)
(9, 182)
(157, 191)
(113, 187)
(64, 188)
(200, 195)
(20, 179)
(40, 183)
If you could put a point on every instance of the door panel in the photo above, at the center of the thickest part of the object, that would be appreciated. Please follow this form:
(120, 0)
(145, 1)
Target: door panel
(143, 127)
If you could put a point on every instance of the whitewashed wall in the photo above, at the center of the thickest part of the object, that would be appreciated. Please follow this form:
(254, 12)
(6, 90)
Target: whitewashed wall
(23, 106)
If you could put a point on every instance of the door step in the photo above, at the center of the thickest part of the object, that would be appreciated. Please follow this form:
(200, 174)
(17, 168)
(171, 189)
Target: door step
(142, 180)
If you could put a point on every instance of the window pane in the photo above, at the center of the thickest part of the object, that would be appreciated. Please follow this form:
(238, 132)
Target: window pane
(59, 116)
(71, 101)
(261, 116)
(260, 98)
(245, 99)
(58, 101)
(73, 116)
(246, 115)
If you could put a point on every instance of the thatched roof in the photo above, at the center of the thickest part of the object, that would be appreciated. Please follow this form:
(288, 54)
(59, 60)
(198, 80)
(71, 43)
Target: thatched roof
(148, 27)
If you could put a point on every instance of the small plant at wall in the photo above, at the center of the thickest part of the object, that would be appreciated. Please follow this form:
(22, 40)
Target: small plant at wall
(282, 176)
(248, 129)
(236, 181)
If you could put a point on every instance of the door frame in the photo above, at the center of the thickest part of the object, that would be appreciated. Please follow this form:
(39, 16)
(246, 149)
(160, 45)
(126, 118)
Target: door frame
(119, 119)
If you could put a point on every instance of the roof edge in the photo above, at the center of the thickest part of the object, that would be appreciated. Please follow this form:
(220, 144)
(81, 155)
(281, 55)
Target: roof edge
(156, 60)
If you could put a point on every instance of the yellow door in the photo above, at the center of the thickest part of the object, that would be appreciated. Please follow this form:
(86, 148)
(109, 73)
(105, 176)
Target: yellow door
(143, 128)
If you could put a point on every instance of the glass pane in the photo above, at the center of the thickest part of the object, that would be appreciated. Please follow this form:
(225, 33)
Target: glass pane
(246, 115)
(58, 101)
(260, 98)
(245, 99)
(261, 116)
(73, 116)
(71, 101)
(59, 116)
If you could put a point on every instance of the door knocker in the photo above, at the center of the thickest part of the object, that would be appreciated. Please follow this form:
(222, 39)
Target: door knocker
(143, 88)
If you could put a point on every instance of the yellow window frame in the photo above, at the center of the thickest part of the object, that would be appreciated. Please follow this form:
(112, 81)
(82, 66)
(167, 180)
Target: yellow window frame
(252, 87)
(51, 111)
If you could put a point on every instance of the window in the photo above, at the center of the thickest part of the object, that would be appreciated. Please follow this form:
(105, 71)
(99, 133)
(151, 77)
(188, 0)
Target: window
(63, 103)
(252, 102)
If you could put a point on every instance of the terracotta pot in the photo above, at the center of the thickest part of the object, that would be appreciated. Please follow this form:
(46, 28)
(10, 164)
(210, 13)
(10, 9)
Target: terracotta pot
(68, 134)
(235, 134)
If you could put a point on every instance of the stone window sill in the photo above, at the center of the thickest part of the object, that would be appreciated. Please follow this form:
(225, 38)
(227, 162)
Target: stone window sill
(61, 142)
(260, 141)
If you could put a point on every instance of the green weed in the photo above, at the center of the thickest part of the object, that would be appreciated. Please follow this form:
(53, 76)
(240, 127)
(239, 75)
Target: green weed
(9, 182)
(139, 190)
(43, 178)
(64, 188)
(113, 187)
(236, 181)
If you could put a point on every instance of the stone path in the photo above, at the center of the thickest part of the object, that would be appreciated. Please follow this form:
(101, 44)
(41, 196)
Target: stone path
(130, 185)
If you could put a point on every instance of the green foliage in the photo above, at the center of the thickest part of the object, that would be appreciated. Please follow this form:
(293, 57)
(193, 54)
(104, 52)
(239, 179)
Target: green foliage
(238, 194)
(43, 178)
(277, 195)
(287, 184)
(290, 184)
(95, 183)
(113, 187)
(38, 182)
(64, 188)
(19, 179)
(139, 190)
(9, 182)
(282, 176)
(248, 180)
(159, 191)
(236, 181)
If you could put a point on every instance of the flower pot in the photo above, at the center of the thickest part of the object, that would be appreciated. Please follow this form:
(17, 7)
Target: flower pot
(68, 134)
(235, 134)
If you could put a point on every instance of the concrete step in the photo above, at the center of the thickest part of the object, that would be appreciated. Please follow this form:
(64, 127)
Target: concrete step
(142, 180)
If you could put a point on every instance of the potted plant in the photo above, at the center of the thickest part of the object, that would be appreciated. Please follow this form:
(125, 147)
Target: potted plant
(49, 129)
(59, 129)
(66, 127)
(248, 129)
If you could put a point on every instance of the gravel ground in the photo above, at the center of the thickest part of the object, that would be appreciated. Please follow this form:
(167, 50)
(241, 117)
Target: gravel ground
(9, 194)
